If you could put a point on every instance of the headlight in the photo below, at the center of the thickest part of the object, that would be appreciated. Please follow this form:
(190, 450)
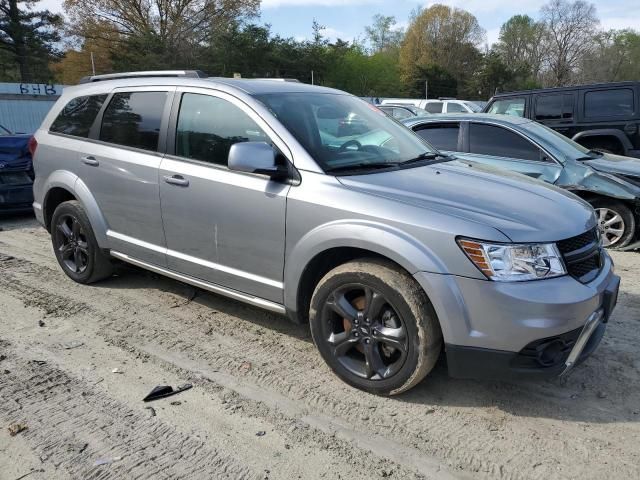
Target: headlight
(514, 262)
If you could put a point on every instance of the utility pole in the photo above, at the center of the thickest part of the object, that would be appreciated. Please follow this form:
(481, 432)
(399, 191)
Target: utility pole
(426, 89)
(312, 83)
(93, 65)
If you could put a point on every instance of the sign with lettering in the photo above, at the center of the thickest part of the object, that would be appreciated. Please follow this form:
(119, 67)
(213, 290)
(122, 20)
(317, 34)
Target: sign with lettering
(31, 89)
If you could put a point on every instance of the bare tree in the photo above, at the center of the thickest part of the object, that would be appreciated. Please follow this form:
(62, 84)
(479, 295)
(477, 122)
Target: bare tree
(571, 27)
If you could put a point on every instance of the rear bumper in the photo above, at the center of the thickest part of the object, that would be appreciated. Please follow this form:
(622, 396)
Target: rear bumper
(16, 198)
(514, 330)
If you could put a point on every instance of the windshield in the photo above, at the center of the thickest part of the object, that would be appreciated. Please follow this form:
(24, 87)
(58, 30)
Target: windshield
(475, 108)
(568, 147)
(4, 131)
(341, 131)
(508, 106)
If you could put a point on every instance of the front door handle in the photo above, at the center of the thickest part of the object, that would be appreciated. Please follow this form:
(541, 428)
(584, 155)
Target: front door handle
(176, 180)
(90, 160)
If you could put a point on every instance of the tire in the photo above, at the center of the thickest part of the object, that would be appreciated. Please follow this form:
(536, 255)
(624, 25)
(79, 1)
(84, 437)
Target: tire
(75, 245)
(606, 212)
(400, 329)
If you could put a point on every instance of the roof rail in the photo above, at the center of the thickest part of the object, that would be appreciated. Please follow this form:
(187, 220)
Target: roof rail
(152, 73)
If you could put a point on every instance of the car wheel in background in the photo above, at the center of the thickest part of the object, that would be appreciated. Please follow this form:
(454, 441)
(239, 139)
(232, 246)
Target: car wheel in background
(75, 245)
(375, 327)
(616, 222)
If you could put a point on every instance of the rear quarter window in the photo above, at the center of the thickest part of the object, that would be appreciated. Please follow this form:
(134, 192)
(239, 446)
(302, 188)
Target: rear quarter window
(443, 137)
(609, 103)
(78, 115)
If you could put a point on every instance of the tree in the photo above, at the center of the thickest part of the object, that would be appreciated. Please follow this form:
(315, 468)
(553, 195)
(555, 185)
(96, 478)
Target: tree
(615, 57)
(570, 26)
(522, 45)
(28, 38)
(382, 35)
(154, 34)
(442, 37)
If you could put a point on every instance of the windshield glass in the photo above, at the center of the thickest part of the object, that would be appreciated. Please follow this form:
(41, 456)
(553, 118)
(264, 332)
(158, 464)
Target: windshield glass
(340, 131)
(475, 108)
(567, 146)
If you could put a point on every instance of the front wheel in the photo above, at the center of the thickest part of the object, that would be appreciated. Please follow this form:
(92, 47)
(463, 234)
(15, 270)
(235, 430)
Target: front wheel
(75, 245)
(375, 327)
(616, 222)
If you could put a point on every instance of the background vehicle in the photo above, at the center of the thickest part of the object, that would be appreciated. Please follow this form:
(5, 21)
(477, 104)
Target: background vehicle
(252, 189)
(442, 105)
(16, 172)
(400, 112)
(603, 117)
(611, 183)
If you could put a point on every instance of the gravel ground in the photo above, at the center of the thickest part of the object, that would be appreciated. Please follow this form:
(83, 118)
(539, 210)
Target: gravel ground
(263, 404)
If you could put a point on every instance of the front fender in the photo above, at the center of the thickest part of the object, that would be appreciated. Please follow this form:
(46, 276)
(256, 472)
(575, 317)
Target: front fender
(76, 187)
(392, 243)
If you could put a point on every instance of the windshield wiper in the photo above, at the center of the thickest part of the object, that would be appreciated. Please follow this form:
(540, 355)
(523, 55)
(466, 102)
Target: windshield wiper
(362, 166)
(428, 156)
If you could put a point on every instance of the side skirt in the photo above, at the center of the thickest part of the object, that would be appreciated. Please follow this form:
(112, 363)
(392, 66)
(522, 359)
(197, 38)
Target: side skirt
(211, 287)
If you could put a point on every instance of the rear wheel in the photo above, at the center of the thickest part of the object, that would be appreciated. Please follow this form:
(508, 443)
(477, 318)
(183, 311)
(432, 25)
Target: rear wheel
(375, 327)
(616, 222)
(75, 245)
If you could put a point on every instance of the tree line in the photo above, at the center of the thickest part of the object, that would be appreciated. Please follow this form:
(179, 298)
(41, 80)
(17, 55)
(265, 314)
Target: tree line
(443, 49)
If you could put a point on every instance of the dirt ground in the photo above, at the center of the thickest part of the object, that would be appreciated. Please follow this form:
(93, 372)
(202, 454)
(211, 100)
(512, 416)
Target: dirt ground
(263, 404)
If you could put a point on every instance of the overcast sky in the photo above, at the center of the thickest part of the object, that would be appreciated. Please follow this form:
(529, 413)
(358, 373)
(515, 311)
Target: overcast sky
(347, 18)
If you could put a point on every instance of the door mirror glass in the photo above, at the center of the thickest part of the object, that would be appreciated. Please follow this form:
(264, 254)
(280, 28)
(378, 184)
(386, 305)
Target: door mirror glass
(255, 157)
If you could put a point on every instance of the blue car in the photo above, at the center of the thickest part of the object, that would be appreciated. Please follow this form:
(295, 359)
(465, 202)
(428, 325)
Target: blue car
(16, 172)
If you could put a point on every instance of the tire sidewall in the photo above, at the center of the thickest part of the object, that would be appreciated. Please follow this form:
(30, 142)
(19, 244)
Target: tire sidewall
(75, 211)
(416, 339)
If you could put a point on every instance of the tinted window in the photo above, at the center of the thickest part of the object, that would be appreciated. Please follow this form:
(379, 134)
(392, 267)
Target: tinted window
(433, 107)
(443, 137)
(454, 108)
(508, 106)
(133, 119)
(554, 107)
(208, 126)
(78, 115)
(500, 142)
(609, 103)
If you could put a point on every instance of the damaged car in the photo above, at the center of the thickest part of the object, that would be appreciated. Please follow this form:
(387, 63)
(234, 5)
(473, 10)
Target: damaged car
(610, 183)
(16, 172)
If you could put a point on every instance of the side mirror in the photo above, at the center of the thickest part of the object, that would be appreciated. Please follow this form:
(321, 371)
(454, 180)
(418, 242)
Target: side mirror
(255, 157)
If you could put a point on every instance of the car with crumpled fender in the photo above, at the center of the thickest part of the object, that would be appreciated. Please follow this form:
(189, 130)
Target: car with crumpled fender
(16, 172)
(392, 251)
(610, 183)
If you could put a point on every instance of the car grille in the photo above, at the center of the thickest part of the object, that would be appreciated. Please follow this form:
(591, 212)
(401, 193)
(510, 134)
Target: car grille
(583, 255)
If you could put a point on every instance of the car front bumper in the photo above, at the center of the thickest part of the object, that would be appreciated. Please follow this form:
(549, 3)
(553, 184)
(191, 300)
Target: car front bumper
(514, 330)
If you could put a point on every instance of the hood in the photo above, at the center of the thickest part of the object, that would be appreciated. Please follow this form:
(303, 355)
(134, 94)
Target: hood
(14, 153)
(616, 164)
(523, 209)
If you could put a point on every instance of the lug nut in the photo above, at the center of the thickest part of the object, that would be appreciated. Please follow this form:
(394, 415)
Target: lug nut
(356, 334)
(367, 341)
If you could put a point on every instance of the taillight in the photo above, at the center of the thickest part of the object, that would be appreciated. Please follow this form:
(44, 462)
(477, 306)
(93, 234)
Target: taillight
(32, 145)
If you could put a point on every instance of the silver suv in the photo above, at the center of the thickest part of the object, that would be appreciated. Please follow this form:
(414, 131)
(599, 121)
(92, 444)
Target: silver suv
(262, 191)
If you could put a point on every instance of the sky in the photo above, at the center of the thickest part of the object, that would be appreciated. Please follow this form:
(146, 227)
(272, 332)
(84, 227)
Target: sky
(347, 19)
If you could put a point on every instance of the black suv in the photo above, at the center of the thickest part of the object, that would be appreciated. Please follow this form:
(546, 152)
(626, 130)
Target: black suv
(603, 116)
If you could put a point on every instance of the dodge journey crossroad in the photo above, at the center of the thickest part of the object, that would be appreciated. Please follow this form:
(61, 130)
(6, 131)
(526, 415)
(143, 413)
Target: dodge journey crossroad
(263, 191)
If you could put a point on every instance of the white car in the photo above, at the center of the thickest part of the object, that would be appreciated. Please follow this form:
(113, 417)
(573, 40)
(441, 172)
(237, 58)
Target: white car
(436, 105)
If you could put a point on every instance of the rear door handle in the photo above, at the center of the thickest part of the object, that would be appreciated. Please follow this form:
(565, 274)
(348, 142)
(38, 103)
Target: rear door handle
(176, 180)
(90, 160)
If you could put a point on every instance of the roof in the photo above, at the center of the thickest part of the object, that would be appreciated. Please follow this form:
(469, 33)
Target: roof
(570, 87)
(468, 117)
(248, 86)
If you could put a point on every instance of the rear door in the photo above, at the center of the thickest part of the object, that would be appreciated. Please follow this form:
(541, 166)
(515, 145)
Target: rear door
(120, 168)
(222, 226)
(504, 148)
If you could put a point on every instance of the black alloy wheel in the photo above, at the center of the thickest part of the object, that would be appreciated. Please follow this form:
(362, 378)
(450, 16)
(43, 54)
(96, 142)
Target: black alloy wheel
(71, 243)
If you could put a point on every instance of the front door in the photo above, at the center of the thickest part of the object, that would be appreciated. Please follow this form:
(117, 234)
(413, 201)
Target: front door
(121, 170)
(221, 226)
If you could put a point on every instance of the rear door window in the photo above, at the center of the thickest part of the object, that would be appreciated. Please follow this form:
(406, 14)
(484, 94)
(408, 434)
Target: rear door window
(78, 115)
(500, 142)
(509, 106)
(442, 136)
(133, 119)
(454, 108)
(609, 103)
(554, 107)
(433, 107)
